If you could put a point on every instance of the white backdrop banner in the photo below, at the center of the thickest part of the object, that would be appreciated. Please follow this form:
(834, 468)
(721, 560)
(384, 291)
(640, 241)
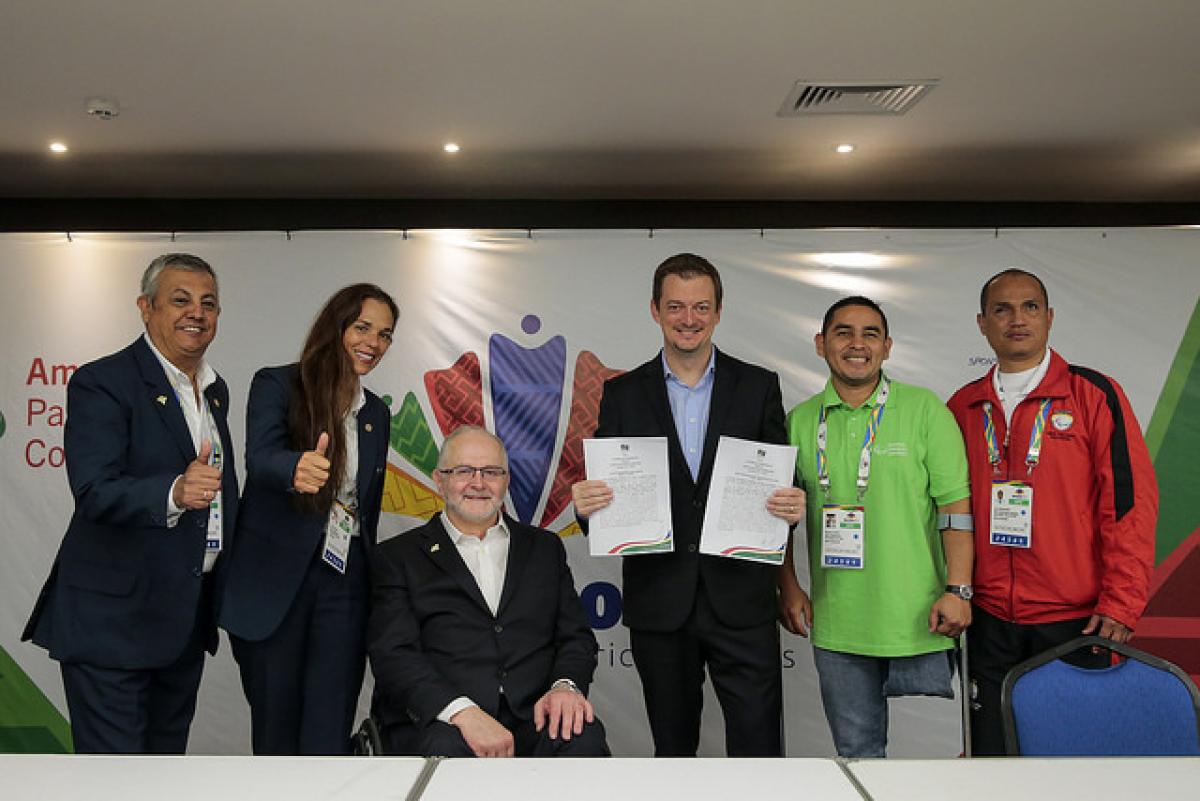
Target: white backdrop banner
(518, 331)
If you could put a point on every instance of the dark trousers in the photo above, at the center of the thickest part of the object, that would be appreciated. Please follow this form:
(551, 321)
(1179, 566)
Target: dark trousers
(746, 674)
(115, 711)
(303, 681)
(994, 647)
(444, 739)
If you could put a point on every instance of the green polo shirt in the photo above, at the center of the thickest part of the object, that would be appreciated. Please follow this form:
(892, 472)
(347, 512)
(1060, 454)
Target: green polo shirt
(918, 463)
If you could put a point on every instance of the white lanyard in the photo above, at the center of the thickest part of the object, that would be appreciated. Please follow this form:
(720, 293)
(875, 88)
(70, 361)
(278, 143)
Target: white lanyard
(864, 459)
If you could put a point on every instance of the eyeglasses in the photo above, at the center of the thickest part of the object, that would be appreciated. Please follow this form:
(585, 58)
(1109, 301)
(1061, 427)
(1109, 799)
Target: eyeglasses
(464, 472)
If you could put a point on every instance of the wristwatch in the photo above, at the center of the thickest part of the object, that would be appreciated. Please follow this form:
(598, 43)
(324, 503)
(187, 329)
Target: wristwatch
(964, 591)
(566, 684)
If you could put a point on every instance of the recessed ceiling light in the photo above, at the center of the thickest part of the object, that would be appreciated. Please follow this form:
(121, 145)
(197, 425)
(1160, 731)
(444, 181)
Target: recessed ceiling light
(58, 147)
(845, 147)
(451, 147)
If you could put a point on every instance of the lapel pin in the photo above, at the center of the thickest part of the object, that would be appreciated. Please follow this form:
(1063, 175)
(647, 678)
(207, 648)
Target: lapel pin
(435, 547)
(162, 400)
(217, 402)
(369, 428)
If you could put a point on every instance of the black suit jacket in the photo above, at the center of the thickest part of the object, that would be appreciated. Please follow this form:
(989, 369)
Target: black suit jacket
(124, 589)
(276, 542)
(432, 638)
(660, 589)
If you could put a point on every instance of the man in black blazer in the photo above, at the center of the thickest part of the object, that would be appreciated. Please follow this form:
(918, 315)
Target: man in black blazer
(478, 642)
(128, 608)
(686, 611)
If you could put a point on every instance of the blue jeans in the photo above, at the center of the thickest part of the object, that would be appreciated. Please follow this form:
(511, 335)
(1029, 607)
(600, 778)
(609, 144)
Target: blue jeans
(855, 689)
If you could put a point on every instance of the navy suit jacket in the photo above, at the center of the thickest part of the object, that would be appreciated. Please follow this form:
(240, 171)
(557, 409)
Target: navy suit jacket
(660, 589)
(432, 637)
(124, 589)
(276, 542)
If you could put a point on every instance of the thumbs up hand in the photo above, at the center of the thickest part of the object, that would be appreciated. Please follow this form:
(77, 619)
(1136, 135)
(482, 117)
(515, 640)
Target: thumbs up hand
(200, 483)
(312, 471)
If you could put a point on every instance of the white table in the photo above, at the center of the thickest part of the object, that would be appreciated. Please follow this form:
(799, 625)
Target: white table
(1028, 778)
(630, 779)
(201, 778)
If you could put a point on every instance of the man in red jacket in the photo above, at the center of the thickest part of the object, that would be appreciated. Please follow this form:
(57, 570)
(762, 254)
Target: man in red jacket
(1063, 495)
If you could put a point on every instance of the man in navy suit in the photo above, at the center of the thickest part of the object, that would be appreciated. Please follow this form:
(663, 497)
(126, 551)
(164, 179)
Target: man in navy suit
(685, 611)
(127, 609)
(478, 642)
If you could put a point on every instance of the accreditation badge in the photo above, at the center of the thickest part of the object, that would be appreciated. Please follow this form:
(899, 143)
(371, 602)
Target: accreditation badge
(213, 536)
(338, 531)
(843, 530)
(216, 509)
(1012, 514)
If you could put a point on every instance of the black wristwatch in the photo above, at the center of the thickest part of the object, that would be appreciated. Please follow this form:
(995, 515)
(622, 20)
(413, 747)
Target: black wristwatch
(964, 591)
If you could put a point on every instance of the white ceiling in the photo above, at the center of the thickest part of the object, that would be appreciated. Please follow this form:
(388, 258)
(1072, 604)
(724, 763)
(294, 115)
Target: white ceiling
(1052, 100)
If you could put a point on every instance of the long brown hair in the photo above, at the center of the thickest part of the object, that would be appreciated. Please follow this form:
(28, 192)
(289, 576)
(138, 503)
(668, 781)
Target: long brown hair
(321, 392)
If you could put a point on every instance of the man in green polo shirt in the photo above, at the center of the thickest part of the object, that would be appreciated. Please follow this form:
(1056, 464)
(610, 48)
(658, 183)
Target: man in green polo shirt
(884, 467)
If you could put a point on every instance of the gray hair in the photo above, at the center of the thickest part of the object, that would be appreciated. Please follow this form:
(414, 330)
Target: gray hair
(467, 429)
(177, 261)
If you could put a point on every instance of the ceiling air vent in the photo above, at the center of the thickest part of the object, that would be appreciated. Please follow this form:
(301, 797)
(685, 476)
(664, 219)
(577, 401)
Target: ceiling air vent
(809, 98)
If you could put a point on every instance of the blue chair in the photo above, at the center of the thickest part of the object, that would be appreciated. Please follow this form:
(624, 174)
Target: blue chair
(1141, 706)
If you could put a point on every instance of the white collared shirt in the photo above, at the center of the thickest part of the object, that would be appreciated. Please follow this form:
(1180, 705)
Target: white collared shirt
(1012, 388)
(200, 425)
(347, 493)
(486, 557)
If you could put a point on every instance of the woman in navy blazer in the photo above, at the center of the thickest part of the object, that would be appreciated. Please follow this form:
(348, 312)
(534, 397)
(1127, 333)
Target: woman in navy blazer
(296, 599)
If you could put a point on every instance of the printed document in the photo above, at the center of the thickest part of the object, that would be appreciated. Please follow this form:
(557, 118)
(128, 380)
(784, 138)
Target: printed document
(736, 521)
(638, 521)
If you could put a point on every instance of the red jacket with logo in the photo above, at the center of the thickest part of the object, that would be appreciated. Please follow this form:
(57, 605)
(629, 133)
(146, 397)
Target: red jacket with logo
(1095, 500)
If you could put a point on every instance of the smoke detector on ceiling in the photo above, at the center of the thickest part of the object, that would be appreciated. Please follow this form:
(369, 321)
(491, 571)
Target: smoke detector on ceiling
(102, 108)
(810, 98)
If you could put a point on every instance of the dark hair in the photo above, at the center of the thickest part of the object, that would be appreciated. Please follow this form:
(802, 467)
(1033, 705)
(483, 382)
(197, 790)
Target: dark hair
(321, 390)
(1003, 274)
(686, 265)
(854, 300)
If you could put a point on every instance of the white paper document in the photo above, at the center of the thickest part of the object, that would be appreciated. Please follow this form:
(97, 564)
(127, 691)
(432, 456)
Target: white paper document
(638, 521)
(736, 521)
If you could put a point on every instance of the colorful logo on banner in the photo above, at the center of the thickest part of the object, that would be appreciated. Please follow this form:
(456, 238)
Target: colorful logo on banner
(527, 389)
(29, 723)
(1170, 626)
